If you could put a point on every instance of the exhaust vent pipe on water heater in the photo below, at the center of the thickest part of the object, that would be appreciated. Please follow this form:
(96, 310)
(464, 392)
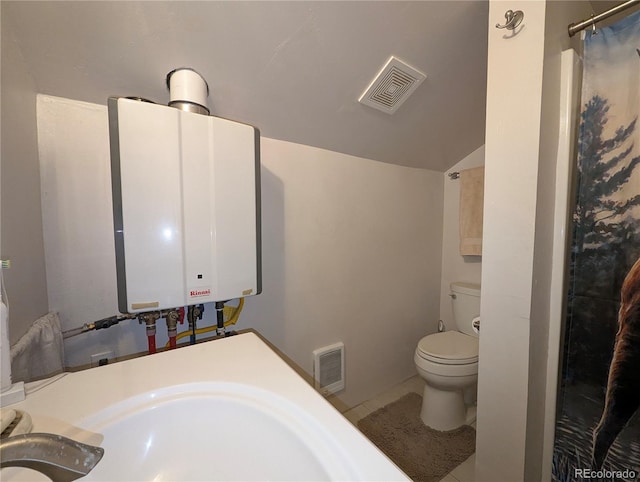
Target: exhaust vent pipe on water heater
(188, 91)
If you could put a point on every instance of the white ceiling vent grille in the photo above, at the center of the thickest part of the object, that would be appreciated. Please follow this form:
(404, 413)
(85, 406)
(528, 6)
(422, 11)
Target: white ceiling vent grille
(392, 86)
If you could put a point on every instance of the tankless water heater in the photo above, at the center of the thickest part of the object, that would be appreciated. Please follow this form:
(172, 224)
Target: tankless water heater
(186, 205)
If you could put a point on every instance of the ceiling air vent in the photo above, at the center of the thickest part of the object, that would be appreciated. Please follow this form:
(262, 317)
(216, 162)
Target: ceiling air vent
(391, 87)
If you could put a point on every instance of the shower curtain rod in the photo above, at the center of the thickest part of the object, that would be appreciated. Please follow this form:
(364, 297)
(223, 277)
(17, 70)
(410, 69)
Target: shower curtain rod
(574, 28)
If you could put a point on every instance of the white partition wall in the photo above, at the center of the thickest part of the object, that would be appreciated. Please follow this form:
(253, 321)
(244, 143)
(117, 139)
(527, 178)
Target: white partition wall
(569, 100)
(523, 119)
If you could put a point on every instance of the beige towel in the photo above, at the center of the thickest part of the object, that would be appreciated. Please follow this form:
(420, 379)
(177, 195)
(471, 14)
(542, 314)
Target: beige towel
(471, 204)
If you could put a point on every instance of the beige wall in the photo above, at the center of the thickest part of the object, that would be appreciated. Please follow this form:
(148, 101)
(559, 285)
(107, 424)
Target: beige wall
(21, 230)
(351, 251)
(454, 266)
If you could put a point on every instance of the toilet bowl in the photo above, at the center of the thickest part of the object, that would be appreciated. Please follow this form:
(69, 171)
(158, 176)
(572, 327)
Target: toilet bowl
(448, 363)
(450, 379)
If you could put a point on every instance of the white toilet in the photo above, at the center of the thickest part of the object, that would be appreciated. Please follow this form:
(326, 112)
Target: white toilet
(448, 362)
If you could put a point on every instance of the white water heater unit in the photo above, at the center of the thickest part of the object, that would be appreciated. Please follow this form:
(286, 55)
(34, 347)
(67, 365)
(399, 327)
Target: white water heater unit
(186, 204)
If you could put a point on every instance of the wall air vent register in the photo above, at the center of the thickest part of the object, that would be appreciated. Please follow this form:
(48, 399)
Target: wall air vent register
(328, 368)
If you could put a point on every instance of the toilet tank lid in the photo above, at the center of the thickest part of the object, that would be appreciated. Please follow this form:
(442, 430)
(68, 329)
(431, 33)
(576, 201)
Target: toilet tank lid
(465, 288)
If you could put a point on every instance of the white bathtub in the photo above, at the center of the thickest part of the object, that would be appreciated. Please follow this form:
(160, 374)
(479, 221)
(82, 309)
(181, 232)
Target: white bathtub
(228, 409)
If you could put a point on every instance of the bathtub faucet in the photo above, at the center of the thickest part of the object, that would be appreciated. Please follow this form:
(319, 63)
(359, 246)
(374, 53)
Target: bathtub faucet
(59, 458)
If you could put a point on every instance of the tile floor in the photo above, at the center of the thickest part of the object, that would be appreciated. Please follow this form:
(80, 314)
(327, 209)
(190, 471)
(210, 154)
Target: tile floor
(463, 473)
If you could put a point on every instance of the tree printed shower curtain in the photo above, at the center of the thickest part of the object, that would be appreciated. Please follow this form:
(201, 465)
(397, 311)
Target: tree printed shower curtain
(598, 419)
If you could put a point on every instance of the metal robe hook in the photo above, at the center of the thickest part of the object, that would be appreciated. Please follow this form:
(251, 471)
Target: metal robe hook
(513, 19)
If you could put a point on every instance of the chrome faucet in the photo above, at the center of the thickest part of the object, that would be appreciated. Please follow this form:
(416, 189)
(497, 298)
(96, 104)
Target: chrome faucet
(59, 458)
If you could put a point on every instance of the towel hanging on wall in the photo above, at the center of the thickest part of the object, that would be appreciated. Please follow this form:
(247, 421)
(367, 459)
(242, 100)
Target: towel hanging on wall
(471, 204)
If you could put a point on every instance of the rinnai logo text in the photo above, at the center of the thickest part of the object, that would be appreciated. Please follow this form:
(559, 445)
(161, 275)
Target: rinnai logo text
(199, 293)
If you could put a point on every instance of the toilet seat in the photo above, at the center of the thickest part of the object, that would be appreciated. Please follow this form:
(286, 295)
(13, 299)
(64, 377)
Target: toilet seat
(449, 348)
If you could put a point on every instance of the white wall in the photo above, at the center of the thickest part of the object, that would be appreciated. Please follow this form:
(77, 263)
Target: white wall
(73, 140)
(456, 267)
(351, 250)
(511, 170)
(521, 141)
(21, 238)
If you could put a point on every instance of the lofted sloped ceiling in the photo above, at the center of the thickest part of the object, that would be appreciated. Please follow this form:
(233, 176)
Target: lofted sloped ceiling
(293, 69)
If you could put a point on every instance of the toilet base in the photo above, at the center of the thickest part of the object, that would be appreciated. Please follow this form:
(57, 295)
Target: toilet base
(472, 410)
(445, 410)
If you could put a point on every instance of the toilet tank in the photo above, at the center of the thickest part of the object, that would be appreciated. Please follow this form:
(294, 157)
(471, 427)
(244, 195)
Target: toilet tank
(465, 298)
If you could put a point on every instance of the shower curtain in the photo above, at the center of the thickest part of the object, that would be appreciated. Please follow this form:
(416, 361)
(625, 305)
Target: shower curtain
(598, 413)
